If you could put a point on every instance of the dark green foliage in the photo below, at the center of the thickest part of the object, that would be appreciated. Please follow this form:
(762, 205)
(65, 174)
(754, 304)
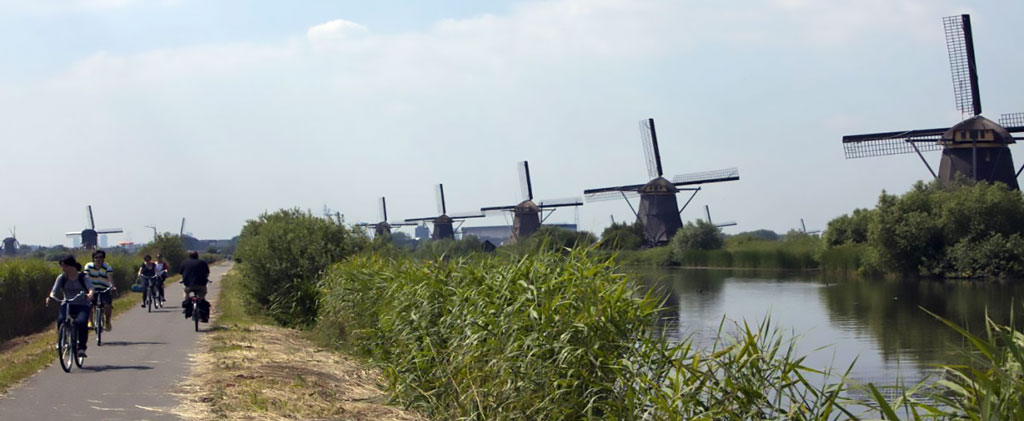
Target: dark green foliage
(622, 236)
(432, 249)
(170, 246)
(549, 238)
(284, 253)
(761, 234)
(965, 231)
(700, 235)
(849, 229)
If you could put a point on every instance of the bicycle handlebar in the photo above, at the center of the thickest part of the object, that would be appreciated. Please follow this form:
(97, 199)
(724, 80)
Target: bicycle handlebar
(67, 300)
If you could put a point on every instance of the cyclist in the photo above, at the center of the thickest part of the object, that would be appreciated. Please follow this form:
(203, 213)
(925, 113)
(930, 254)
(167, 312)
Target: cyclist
(73, 282)
(102, 275)
(148, 273)
(195, 275)
(162, 269)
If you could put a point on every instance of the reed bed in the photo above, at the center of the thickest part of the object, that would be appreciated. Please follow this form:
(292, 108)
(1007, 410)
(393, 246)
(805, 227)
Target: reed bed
(25, 283)
(554, 336)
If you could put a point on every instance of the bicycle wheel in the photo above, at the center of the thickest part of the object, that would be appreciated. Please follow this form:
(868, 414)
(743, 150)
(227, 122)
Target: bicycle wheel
(97, 321)
(195, 314)
(64, 351)
(74, 346)
(149, 299)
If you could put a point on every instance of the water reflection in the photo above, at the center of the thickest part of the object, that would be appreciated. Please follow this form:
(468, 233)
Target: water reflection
(879, 323)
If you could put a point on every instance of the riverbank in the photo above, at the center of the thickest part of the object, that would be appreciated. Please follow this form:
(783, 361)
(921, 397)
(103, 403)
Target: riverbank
(249, 368)
(805, 254)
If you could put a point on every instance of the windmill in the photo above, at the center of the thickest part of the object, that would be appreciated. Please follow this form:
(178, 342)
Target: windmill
(443, 223)
(10, 244)
(527, 214)
(707, 210)
(803, 227)
(977, 147)
(383, 228)
(90, 236)
(658, 210)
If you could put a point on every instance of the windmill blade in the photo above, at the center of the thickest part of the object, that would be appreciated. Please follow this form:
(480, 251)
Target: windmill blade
(525, 185)
(92, 222)
(441, 208)
(109, 231)
(467, 215)
(960, 44)
(892, 143)
(608, 195)
(558, 203)
(72, 234)
(402, 224)
(497, 209)
(382, 210)
(425, 219)
(726, 224)
(1012, 120)
(716, 176)
(649, 138)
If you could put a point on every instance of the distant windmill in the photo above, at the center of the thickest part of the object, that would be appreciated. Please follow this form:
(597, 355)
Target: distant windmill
(527, 214)
(976, 147)
(90, 236)
(383, 227)
(443, 223)
(10, 244)
(154, 230)
(707, 210)
(659, 212)
(803, 227)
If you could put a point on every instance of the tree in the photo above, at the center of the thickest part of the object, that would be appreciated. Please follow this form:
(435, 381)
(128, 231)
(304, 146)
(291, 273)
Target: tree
(622, 236)
(701, 235)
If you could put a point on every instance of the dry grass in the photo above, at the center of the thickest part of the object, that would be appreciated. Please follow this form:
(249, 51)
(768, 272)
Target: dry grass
(253, 371)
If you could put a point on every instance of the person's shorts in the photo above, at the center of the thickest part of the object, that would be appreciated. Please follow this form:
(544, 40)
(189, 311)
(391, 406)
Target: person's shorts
(200, 291)
(102, 297)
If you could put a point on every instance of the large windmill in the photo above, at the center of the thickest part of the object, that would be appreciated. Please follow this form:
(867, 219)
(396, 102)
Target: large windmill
(659, 212)
(527, 213)
(443, 223)
(976, 147)
(10, 244)
(383, 228)
(90, 236)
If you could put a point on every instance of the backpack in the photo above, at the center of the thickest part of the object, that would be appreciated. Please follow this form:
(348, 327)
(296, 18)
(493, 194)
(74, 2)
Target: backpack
(81, 281)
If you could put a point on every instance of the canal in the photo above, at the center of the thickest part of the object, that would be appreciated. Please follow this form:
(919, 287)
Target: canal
(878, 323)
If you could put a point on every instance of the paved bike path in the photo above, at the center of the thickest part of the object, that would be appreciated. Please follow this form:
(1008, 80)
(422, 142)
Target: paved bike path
(130, 377)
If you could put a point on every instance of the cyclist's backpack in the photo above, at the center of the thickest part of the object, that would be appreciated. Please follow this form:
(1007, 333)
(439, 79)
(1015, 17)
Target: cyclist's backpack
(204, 310)
(186, 307)
(81, 280)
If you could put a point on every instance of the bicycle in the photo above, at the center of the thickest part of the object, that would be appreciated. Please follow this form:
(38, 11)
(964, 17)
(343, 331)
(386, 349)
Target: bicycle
(67, 337)
(97, 311)
(193, 300)
(151, 294)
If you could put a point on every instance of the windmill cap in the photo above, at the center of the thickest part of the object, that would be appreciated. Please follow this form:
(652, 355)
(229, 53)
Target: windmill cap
(978, 129)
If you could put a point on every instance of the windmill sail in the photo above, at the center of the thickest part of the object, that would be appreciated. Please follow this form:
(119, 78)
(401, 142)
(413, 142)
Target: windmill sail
(960, 44)
(649, 138)
(1014, 122)
(92, 222)
(707, 177)
(382, 209)
(892, 143)
(525, 185)
(441, 208)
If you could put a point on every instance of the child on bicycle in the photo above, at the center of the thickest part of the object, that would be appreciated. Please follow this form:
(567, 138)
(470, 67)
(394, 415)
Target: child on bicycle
(74, 283)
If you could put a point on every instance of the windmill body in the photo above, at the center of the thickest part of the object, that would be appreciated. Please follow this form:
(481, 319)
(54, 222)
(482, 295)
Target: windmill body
(444, 224)
(976, 148)
(90, 236)
(526, 215)
(659, 210)
(10, 245)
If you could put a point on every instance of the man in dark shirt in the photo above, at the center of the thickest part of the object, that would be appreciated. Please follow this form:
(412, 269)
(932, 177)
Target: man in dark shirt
(195, 275)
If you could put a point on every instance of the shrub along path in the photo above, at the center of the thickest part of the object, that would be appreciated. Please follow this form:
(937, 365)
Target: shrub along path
(130, 377)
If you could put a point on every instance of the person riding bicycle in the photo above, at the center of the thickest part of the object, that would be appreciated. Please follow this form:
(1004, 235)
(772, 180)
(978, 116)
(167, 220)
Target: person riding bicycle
(162, 269)
(195, 275)
(102, 276)
(148, 273)
(73, 283)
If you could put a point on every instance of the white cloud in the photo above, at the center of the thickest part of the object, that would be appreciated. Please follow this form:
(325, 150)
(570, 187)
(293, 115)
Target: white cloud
(330, 34)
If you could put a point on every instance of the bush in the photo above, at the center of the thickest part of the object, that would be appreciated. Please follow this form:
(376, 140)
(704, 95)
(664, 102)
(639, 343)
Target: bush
(849, 229)
(284, 253)
(701, 235)
(549, 238)
(623, 236)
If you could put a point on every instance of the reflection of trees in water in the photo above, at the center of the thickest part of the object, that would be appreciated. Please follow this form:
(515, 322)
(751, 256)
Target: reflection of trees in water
(890, 311)
(698, 288)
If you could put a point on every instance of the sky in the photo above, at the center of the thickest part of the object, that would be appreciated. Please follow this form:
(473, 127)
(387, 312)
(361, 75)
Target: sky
(217, 111)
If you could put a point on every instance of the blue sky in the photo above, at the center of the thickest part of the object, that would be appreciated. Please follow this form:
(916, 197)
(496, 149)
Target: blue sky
(219, 110)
